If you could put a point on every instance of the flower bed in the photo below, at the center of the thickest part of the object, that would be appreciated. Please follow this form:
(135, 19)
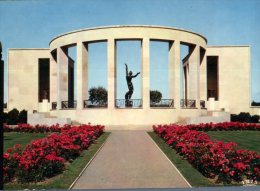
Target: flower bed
(46, 157)
(27, 128)
(226, 126)
(214, 159)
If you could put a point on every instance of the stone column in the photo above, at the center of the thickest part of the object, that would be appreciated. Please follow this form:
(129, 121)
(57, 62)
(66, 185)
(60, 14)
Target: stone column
(174, 73)
(62, 79)
(187, 81)
(53, 78)
(111, 73)
(146, 73)
(183, 81)
(194, 74)
(82, 74)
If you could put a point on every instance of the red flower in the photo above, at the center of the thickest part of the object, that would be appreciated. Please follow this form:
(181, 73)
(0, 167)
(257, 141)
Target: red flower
(240, 166)
(17, 146)
(9, 150)
(6, 155)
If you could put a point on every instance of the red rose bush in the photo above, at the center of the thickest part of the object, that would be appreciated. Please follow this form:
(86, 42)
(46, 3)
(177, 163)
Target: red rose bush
(27, 128)
(214, 159)
(46, 157)
(225, 126)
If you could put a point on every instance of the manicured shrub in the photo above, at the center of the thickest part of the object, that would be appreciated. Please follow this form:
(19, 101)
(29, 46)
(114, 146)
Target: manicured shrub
(22, 117)
(255, 118)
(12, 117)
(234, 118)
(245, 117)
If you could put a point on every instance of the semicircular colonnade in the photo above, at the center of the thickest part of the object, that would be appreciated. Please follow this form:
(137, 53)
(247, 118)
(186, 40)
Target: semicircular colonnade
(194, 71)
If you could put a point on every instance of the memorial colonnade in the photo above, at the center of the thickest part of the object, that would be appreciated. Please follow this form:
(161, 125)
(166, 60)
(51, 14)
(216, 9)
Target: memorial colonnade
(194, 63)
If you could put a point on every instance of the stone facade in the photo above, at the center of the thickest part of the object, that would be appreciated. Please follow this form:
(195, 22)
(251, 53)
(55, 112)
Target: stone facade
(23, 77)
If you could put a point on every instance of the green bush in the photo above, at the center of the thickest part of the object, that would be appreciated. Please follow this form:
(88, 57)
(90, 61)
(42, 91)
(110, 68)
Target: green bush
(155, 96)
(255, 118)
(245, 117)
(12, 117)
(22, 117)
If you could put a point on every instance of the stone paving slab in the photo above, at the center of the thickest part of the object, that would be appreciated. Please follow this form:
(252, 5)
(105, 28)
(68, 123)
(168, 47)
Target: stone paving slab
(130, 159)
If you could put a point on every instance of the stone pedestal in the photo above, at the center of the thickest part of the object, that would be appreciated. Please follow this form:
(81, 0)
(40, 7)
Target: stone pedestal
(44, 106)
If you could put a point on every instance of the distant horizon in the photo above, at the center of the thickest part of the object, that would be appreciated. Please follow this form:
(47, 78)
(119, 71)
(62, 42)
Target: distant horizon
(33, 24)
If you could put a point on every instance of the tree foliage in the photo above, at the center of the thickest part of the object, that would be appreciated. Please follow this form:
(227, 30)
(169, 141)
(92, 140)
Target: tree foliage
(155, 96)
(255, 103)
(98, 95)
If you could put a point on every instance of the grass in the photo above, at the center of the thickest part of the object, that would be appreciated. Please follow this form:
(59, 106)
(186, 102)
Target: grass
(64, 180)
(245, 139)
(12, 138)
(194, 177)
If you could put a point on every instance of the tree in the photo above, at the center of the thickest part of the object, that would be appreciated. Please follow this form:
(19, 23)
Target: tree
(155, 96)
(255, 103)
(98, 95)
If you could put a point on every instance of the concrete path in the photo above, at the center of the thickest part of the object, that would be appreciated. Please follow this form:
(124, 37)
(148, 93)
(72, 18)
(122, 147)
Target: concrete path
(130, 159)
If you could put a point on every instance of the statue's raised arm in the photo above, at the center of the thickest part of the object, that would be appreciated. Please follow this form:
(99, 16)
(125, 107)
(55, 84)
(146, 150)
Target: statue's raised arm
(126, 69)
(136, 75)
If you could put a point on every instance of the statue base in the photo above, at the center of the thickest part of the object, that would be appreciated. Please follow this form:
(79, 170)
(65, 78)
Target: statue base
(128, 103)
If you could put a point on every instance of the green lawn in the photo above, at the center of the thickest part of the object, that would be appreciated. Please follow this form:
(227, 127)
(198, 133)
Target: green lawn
(194, 177)
(12, 138)
(245, 139)
(64, 180)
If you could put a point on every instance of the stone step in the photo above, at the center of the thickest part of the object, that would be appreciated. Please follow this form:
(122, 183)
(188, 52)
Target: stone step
(46, 119)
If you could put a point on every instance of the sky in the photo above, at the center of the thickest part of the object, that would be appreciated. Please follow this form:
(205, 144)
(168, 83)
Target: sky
(33, 23)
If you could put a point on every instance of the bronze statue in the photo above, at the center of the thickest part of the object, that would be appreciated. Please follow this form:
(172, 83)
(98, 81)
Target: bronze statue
(130, 92)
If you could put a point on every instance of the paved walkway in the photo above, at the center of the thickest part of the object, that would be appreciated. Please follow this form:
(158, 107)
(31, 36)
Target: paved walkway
(130, 159)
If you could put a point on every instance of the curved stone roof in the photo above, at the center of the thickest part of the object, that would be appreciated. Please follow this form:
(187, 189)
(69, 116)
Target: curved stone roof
(124, 26)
